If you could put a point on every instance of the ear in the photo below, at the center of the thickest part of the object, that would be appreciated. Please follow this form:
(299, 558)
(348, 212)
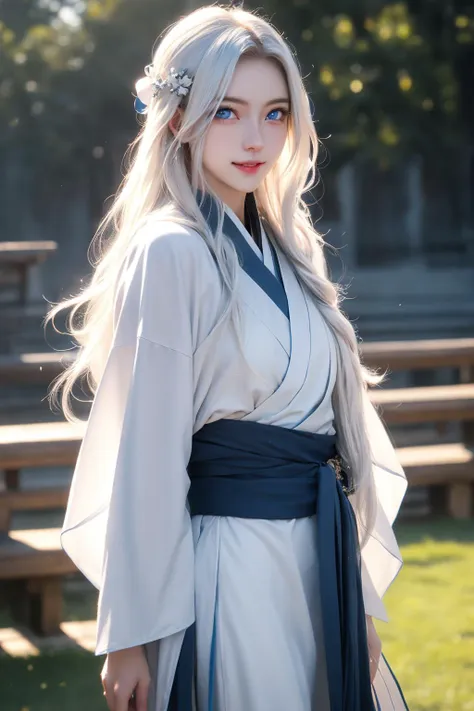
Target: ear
(175, 122)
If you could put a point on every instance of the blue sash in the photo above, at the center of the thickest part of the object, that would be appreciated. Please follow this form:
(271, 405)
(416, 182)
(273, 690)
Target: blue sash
(251, 470)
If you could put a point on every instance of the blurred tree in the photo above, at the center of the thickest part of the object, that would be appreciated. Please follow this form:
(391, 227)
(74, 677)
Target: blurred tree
(67, 73)
(387, 80)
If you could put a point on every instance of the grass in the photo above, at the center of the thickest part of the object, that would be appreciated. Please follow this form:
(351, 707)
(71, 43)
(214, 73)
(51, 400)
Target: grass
(429, 641)
(63, 681)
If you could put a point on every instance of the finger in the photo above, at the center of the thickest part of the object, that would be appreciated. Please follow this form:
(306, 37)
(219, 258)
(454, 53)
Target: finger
(109, 697)
(132, 703)
(122, 698)
(374, 665)
(141, 695)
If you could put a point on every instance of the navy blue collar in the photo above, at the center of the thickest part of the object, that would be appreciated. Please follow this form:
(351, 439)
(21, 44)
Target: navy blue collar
(249, 261)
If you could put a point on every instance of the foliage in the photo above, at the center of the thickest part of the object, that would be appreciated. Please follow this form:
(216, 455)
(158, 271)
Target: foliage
(387, 80)
(67, 75)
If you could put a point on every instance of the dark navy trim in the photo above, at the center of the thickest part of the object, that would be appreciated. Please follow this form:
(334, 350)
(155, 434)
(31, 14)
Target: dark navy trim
(379, 708)
(181, 697)
(276, 263)
(250, 262)
(396, 681)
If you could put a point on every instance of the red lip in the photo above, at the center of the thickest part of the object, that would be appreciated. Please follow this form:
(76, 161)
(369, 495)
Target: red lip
(248, 167)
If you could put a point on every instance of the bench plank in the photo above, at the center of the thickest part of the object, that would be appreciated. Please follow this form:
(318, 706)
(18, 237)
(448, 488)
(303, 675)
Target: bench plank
(31, 368)
(437, 463)
(57, 443)
(437, 403)
(33, 553)
(402, 355)
(34, 499)
(445, 464)
(29, 500)
(26, 252)
(394, 355)
(41, 444)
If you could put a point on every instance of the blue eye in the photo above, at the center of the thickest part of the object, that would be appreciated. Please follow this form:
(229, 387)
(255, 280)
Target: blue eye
(223, 113)
(272, 117)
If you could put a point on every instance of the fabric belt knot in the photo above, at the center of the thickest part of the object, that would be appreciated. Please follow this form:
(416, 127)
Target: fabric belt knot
(252, 470)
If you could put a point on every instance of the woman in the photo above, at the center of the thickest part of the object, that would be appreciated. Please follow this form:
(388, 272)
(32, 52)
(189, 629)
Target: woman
(208, 503)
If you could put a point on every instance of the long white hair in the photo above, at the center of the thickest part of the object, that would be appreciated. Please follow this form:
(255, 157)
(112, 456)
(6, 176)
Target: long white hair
(163, 176)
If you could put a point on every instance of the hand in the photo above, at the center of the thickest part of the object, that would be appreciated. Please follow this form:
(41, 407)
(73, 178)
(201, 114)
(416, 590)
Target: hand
(126, 679)
(375, 647)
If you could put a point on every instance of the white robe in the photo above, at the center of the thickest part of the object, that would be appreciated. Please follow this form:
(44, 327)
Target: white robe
(169, 371)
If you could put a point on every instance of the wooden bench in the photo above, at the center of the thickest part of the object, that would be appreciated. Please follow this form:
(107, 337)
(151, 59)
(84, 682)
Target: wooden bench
(32, 562)
(400, 405)
(439, 403)
(451, 465)
(24, 384)
(448, 465)
(392, 355)
(16, 258)
(32, 368)
(414, 355)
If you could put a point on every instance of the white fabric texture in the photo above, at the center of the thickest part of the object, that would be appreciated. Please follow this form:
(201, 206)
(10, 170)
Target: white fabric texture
(170, 371)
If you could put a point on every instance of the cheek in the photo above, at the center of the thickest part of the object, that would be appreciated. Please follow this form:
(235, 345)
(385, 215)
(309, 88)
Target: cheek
(218, 142)
(276, 138)
(217, 149)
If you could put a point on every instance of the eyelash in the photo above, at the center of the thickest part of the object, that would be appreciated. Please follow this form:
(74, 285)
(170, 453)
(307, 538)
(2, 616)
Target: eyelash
(284, 114)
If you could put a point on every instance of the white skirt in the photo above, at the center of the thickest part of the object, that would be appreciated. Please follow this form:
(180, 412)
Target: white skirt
(257, 597)
(259, 634)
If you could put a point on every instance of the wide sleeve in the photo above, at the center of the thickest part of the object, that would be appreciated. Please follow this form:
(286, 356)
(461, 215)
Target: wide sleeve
(127, 525)
(381, 557)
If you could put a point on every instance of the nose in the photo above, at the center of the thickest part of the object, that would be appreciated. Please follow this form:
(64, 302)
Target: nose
(252, 137)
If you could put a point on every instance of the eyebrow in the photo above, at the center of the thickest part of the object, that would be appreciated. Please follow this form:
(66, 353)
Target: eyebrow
(235, 100)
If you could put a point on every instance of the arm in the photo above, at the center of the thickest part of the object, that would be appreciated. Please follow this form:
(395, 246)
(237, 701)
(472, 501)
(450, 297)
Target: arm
(127, 526)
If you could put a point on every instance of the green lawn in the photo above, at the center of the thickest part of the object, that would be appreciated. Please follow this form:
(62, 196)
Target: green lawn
(429, 641)
(65, 681)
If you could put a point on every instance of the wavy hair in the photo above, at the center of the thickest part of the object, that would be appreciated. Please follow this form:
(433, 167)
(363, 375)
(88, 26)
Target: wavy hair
(163, 176)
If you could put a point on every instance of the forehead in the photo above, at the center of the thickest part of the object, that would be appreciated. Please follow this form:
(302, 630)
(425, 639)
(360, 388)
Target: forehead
(260, 79)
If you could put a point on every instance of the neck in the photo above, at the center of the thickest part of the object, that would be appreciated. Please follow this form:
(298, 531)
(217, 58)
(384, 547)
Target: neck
(232, 198)
(236, 202)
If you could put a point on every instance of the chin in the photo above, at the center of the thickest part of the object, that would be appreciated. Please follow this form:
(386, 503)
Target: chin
(247, 185)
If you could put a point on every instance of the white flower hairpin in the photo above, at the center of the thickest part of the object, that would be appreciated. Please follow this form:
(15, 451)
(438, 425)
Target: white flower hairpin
(148, 87)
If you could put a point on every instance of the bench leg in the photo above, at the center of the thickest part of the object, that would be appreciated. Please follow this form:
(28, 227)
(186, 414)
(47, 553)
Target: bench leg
(437, 496)
(460, 500)
(11, 482)
(4, 519)
(45, 605)
(15, 597)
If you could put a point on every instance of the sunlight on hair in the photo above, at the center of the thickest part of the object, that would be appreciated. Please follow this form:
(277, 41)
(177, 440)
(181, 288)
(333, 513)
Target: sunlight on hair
(164, 173)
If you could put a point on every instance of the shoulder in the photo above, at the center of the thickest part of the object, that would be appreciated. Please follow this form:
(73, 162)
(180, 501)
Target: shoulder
(171, 255)
(172, 243)
(164, 256)
(168, 286)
